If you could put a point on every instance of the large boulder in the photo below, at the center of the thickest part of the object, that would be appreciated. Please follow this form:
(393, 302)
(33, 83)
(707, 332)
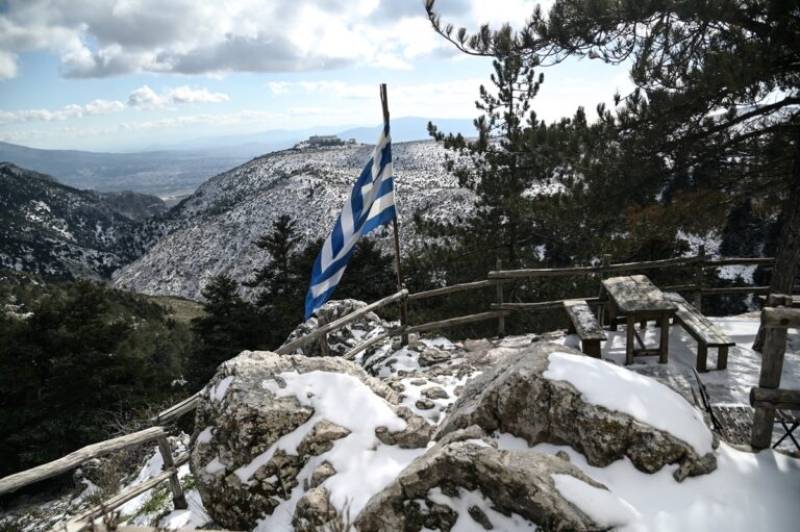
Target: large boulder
(551, 393)
(278, 435)
(343, 339)
(465, 483)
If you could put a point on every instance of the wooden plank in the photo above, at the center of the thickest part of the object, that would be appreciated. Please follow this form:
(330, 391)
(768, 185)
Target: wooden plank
(177, 410)
(541, 305)
(76, 458)
(782, 399)
(591, 270)
(84, 519)
(350, 355)
(780, 317)
(290, 347)
(583, 319)
(635, 293)
(729, 261)
(446, 290)
(452, 322)
(699, 326)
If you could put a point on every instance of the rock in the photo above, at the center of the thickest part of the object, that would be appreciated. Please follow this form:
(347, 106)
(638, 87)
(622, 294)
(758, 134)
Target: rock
(435, 392)
(417, 433)
(314, 511)
(516, 398)
(323, 472)
(321, 438)
(344, 339)
(241, 474)
(432, 356)
(515, 482)
(425, 404)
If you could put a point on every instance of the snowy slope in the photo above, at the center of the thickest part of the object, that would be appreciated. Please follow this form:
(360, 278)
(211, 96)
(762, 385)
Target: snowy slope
(214, 230)
(58, 231)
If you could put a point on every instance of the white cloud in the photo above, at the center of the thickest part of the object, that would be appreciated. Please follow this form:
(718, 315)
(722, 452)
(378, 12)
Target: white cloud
(448, 99)
(98, 38)
(144, 97)
(8, 65)
(95, 107)
(147, 98)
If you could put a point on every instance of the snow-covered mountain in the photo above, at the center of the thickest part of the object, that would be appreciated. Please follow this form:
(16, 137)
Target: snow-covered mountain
(215, 229)
(61, 232)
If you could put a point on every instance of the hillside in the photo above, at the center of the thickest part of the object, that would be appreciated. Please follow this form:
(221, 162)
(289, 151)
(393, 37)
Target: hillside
(214, 230)
(164, 173)
(58, 231)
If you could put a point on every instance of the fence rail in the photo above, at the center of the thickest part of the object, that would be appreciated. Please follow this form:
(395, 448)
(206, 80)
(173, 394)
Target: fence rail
(499, 309)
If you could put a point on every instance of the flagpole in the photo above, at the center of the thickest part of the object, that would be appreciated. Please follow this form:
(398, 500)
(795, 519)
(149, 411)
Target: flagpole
(396, 228)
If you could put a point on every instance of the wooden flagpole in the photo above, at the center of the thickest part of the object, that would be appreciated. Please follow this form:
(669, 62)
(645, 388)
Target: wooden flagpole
(396, 228)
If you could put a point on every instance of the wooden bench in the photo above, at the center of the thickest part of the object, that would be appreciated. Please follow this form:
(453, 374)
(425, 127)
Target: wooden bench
(703, 331)
(585, 325)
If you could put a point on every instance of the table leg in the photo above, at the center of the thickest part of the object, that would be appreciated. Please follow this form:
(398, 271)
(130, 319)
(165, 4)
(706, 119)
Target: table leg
(612, 316)
(663, 346)
(630, 324)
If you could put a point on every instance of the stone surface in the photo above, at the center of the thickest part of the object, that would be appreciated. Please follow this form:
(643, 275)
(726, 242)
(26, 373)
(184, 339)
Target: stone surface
(515, 398)
(344, 339)
(239, 419)
(435, 392)
(516, 482)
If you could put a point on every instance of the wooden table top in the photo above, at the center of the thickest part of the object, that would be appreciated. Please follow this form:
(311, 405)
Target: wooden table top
(636, 294)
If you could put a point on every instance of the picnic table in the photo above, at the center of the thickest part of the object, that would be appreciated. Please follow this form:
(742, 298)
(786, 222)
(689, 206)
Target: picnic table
(637, 299)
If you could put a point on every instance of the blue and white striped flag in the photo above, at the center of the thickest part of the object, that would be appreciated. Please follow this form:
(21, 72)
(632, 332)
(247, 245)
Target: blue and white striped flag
(371, 205)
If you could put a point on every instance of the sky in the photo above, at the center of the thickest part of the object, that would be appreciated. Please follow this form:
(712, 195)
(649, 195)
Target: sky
(125, 75)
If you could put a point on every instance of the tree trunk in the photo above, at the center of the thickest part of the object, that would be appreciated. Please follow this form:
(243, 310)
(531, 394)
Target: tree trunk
(785, 269)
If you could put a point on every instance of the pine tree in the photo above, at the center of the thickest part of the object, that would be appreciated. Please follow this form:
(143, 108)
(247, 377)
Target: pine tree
(501, 164)
(229, 326)
(717, 95)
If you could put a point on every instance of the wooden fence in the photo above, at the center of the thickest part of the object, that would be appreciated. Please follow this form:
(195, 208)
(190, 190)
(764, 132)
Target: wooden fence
(776, 318)
(499, 309)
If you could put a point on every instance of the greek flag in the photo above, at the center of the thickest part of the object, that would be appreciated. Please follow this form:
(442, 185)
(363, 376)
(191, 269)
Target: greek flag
(371, 205)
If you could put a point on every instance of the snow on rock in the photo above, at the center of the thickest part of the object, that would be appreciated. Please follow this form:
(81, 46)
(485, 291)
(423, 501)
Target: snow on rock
(517, 397)
(345, 338)
(747, 491)
(464, 484)
(605, 508)
(643, 398)
(293, 437)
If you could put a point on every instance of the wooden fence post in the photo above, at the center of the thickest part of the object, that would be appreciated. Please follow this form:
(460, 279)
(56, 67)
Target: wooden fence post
(601, 310)
(501, 320)
(770, 378)
(404, 316)
(178, 498)
(699, 278)
(323, 338)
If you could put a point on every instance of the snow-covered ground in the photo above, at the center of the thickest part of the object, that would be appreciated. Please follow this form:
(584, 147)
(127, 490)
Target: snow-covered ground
(748, 491)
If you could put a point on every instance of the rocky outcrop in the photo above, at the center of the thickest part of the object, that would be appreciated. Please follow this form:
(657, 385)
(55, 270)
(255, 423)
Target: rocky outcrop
(516, 397)
(466, 464)
(343, 339)
(264, 436)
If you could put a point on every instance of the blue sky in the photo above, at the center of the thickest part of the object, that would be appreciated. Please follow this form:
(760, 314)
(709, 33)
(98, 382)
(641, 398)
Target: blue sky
(123, 75)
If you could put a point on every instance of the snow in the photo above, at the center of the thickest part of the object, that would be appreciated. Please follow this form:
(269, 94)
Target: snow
(220, 389)
(605, 508)
(364, 465)
(747, 492)
(620, 389)
(469, 498)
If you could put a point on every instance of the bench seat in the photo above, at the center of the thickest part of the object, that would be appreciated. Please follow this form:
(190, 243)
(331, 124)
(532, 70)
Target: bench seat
(702, 330)
(584, 323)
